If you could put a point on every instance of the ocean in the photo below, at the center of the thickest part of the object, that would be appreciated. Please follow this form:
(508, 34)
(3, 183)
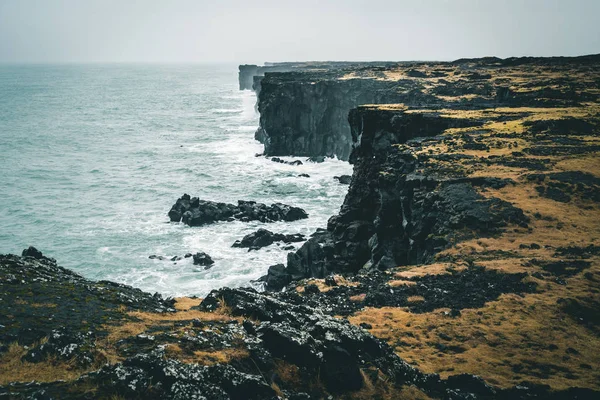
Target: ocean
(92, 157)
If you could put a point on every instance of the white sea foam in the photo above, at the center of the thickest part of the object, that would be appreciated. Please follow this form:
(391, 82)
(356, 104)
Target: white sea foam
(92, 186)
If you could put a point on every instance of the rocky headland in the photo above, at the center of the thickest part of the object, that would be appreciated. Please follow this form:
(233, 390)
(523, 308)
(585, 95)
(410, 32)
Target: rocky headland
(463, 264)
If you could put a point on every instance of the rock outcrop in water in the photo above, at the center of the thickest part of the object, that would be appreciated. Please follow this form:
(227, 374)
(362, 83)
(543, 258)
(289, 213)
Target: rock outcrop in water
(195, 212)
(263, 237)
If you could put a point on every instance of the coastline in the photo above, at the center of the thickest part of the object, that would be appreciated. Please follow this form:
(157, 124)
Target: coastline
(462, 264)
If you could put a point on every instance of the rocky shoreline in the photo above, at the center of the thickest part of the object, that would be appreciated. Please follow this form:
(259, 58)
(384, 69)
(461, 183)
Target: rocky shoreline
(463, 264)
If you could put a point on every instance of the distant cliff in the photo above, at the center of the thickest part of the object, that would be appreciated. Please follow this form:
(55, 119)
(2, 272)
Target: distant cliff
(304, 112)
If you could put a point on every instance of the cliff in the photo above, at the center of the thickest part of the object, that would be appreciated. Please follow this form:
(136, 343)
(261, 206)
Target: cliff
(463, 264)
(304, 113)
(467, 239)
(249, 72)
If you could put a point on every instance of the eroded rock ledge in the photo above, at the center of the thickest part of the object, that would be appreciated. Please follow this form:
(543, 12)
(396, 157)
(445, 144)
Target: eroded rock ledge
(235, 344)
(303, 112)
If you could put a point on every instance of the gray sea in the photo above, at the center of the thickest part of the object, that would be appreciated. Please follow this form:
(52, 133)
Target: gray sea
(93, 156)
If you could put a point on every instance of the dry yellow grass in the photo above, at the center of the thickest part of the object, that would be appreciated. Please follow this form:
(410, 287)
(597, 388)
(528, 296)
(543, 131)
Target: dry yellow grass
(12, 369)
(589, 164)
(320, 283)
(493, 342)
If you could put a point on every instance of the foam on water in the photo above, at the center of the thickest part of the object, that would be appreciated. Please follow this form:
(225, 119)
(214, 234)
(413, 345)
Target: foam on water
(93, 157)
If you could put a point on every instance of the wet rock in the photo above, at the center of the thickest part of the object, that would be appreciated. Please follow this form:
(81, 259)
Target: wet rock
(35, 253)
(279, 160)
(203, 259)
(343, 179)
(264, 237)
(304, 176)
(316, 159)
(277, 277)
(195, 212)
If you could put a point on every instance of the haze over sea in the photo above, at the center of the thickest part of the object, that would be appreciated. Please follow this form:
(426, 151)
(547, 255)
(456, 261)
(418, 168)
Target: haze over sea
(93, 156)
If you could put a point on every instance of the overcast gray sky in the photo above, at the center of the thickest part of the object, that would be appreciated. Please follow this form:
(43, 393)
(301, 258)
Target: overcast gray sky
(281, 30)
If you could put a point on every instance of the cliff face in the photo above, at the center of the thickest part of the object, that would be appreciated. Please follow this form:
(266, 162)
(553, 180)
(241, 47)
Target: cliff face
(468, 237)
(246, 75)
(308, 117)
(304, 113)
(399, 209)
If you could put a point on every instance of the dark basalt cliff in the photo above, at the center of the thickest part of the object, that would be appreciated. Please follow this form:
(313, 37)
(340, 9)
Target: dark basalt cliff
(249, 73)
(304, 117)
(304, 112)
(399, 209)
(466, 238)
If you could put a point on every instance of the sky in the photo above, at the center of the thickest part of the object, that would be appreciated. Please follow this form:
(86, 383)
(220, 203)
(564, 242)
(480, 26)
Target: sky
(254, 31)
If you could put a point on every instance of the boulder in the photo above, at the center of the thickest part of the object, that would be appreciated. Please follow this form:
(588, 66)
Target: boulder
(203, 259)
(277, 277)
(263, 237)
(196, 212)
(343, 179)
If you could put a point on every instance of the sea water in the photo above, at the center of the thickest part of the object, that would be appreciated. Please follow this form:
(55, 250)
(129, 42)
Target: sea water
(92, 157)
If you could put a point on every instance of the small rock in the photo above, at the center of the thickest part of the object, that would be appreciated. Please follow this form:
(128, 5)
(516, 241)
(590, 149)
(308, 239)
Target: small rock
(201, 258)
(343, 179)
(330, 281)
(316, 159)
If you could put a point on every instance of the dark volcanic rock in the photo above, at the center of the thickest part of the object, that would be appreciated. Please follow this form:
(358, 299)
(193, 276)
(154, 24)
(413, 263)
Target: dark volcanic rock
(201, 258)
(562, 268)
(63, 345)
(561, 186)
(577, 252)
(344, 179)
(195, 212)
(35, 253)
(303, 119)
(263, 238)
(393, 215)
(277, 277)
(279, 160)
(456, 290)
(65, 300)
(332, 348)
(471, 288)
(274, 331)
